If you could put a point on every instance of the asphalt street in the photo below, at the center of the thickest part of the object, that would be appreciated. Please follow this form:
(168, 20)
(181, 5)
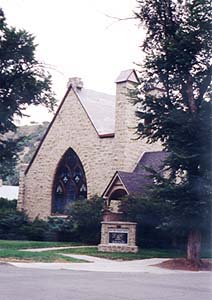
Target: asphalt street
(40, 284)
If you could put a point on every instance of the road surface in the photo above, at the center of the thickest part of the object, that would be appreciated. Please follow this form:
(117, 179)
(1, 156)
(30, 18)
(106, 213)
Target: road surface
(40, 284)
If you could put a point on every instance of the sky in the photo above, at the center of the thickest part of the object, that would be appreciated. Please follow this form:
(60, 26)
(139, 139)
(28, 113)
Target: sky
(79, 38)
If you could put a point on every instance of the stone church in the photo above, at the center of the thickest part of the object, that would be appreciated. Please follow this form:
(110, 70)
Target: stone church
(90, 148)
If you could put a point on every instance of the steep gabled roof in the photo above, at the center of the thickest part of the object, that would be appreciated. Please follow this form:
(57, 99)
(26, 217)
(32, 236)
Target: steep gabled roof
(100, 108)
(116, 178)
(137, 182)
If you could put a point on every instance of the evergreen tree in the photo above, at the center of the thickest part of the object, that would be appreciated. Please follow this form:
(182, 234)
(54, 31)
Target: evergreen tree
(174, 107)
(23, 81)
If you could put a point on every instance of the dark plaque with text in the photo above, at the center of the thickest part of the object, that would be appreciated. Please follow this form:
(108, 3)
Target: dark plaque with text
(118, 237)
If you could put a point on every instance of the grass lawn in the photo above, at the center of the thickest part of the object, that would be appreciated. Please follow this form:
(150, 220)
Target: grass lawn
(141, 254)
(6, 244)
(10, 251)
(47, 256)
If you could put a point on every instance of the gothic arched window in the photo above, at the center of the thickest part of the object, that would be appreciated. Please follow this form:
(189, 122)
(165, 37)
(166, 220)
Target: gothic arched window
(69, 183)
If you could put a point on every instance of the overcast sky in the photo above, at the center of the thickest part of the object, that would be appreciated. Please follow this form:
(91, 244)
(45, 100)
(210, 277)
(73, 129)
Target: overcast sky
(77, 38)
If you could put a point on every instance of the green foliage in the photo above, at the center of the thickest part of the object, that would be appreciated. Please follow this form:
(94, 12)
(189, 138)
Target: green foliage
(26, 138)
(7, 205)
(13, 225)
(178, 113)
(60, 229)
(82, 225)
(150, 216)
(8, 156)
(36, 230)
(86, 217)
(23, 81)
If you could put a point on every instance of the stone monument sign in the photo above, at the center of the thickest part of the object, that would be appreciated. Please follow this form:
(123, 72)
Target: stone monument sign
(118, 236)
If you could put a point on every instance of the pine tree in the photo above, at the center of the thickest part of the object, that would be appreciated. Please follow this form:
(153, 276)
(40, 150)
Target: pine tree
(174, 107)
(23, 81)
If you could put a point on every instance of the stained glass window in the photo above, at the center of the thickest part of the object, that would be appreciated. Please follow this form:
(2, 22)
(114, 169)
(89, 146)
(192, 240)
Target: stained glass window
(69, 183)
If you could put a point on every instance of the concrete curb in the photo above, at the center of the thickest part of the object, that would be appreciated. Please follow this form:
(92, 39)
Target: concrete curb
(96, 264)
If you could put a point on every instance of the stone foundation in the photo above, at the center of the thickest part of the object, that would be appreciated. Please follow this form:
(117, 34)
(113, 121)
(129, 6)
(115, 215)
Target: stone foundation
(118, 237)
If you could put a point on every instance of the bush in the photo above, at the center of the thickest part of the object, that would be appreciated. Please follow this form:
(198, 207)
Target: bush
(37, 230)
(11, 222)
(149, 216)
(60, 230)
(6, 204)
(13, 225)
(85, 219)
(83, 224)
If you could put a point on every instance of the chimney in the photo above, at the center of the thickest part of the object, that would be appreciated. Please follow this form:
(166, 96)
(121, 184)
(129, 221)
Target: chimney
(75, 82)
(125, 122)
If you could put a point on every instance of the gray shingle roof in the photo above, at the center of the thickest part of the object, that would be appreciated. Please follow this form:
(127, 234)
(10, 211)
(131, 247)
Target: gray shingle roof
(152, 159)
(137, 182)
(100, 108)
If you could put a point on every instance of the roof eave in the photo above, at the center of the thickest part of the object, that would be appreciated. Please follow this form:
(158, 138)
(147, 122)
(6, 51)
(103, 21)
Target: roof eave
(111, 183)
(106, 135)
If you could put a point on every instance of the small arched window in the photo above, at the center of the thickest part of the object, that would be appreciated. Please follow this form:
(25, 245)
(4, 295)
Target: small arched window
(69, 183)
(117, 194)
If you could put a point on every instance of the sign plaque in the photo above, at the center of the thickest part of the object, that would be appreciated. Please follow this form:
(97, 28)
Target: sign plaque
(118, 236)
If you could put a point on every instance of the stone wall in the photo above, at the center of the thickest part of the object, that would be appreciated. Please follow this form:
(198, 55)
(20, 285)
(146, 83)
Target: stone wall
(71, 128)
(128, 149)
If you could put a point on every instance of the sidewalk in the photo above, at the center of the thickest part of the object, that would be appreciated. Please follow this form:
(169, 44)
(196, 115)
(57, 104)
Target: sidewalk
(96, 264)
(54, 248)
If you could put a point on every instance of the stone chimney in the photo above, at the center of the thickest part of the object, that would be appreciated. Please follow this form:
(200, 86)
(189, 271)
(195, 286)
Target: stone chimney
(126, 147)
(75, 82)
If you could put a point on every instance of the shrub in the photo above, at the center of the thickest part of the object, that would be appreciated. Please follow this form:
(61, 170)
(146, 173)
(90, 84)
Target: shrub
(60, 229)
(13, 225)
(37, 230)
(83, 224)
(6, 204)
(148, 216)
(86, 217)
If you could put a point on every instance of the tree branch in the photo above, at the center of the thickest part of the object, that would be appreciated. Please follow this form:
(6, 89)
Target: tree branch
(117, 19)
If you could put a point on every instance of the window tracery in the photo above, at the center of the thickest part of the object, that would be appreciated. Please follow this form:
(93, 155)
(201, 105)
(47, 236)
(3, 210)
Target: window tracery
(69, 183)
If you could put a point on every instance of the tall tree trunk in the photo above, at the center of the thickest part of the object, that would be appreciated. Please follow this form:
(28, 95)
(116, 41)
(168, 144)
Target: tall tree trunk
(190, 93)
(194, 245)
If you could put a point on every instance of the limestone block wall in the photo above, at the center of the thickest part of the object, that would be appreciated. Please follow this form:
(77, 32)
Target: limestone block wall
(71, 128)
(128, 149)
